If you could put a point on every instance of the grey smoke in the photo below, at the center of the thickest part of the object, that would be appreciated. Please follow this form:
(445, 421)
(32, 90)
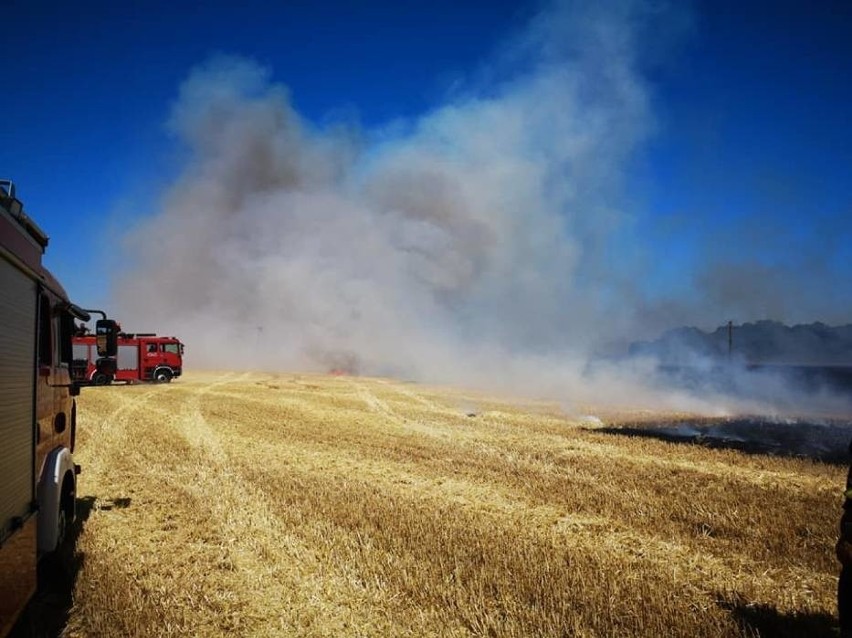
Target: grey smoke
(469, 245)
(763, 343)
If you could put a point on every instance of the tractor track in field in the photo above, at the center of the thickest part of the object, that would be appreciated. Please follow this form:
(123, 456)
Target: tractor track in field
(373, 402)
(365, 390)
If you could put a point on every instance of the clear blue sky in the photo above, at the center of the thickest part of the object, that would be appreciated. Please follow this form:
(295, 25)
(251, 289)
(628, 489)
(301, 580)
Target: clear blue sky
(751, 159)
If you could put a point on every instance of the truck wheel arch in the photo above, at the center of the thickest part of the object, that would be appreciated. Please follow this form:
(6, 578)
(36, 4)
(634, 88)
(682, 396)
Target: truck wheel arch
(57, 492)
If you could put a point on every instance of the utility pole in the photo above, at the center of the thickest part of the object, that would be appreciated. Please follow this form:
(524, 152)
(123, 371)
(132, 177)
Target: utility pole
(730, 338)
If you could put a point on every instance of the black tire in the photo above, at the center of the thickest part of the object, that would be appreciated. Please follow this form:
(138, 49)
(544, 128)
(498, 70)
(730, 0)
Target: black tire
(99, 378)
(65, 516)
(62, 525)
(163, 375)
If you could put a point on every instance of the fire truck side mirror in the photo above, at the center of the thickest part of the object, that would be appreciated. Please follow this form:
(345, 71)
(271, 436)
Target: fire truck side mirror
(106, 333)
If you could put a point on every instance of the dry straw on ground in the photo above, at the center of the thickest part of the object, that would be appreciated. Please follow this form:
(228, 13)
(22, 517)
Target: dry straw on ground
(294, 505)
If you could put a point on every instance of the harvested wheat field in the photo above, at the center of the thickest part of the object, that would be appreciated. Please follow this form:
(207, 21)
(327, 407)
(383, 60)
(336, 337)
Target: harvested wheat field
(296, 505)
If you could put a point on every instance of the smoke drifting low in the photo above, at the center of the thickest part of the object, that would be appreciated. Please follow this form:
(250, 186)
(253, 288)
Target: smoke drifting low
(472, 245)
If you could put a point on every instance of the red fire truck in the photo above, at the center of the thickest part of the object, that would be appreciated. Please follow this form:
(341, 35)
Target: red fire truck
(141, 357)
(38, 412)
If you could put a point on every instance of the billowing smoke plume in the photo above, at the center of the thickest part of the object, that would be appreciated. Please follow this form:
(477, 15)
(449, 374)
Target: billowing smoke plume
(474, 244)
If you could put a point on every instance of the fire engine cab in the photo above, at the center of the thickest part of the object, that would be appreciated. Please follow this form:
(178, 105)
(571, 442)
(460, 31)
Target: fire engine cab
(141, 357)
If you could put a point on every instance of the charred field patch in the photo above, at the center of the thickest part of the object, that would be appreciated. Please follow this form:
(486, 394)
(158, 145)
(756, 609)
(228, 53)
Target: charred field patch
(825, 440)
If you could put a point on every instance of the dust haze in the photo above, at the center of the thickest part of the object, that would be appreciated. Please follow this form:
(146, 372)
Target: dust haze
(484, 243)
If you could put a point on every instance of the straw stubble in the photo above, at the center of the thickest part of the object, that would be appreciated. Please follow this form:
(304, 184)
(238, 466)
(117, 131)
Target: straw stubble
(297, 505)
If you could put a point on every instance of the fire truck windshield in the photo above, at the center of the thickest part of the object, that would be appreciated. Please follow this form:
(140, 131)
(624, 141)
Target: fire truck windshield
(174, 348)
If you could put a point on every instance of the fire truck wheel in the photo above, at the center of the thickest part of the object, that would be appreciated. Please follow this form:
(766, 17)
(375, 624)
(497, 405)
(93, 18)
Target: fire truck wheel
(65, 515)
(99, 378)
(61, 528)
(163, 375)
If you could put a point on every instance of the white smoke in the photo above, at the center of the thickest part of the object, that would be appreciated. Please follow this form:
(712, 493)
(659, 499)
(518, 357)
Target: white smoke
(470, 245)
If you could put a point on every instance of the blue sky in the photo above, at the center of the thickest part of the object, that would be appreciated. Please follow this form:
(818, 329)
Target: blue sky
(745, 181)
(756, 143)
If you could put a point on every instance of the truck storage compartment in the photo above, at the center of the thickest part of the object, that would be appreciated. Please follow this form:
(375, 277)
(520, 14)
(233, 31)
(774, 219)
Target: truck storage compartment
(17, 396)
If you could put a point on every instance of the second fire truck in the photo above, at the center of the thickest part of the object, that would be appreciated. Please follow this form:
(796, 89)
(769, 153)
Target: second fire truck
(141, 357)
